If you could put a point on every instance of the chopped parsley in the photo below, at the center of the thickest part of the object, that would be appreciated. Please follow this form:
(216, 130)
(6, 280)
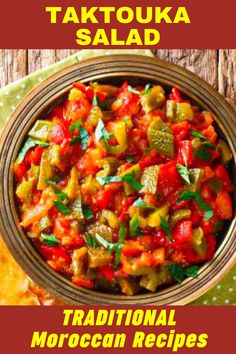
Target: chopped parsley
(90, 240)
(179, 272)
(27, 146)
(102, 134)
(189, 195)
(114, 246)
(132, 182)
(128, 179)
(87, 212)
(60, 206)
(50, 240)
(129, 159)
(139, 202)
(166, 228)
(83, 135)
(184, 172)
(198, 135)
(134, 226)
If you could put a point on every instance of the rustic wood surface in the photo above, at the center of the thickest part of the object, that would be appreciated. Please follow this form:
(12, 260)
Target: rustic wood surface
(218, 67)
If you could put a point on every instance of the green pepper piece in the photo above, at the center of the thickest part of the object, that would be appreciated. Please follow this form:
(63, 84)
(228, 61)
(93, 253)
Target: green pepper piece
(134, 171)
(178, 215)
(44, 223)
(128, 285)
(55, 157)
(76, 207)
(99, 257)
(225, 152)
(46, 171)
(170, 109)
(105, 284)
(79, 261)
(216, 184)
(157, 278)
(110, 90)
(72, 187)
(33, 172)
(24, 191)
(160, 138)
(149, 180)
(196, 144)
(94, 115)
(101, 229)
(110, 165)
(153, 99)
(120, 133)
(183, 112)
(112, 218)
(195, 175)
(199, 242)
(41, 130)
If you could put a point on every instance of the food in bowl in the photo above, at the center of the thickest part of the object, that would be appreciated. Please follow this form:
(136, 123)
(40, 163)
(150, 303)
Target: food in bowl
(124, 189)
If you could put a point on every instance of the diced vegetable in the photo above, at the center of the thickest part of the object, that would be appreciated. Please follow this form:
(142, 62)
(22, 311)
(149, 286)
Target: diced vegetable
(153, 99)
(161, 138)
(121, 136)
(41, 130)
(199, 242)
(196, 175)
(149, 179)
(79, 261)
(46, 171)
(178, 215)
(154, 218)
(99, 257)
(129, 285)
(72, 187)
(179, 111)
(111, 218)
(76, 207)
(134, 171)
(103, 230)
(109, 165)
(183, 111)
(225, 152)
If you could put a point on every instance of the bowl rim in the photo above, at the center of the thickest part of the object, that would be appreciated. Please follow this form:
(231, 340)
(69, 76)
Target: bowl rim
(86, 64)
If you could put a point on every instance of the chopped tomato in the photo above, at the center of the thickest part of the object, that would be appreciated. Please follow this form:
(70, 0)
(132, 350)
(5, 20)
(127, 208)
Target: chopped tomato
(185, 152)
(104, 198)
(107, 272)
(182, 232)
(180, 130)
(57, 134)
(84, 283)
(223, 204)
(20, 171)
(158, 256)
(222, 174)
(168, 178)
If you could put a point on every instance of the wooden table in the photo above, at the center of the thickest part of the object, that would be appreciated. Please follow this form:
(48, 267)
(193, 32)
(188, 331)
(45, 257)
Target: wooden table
(218, 67)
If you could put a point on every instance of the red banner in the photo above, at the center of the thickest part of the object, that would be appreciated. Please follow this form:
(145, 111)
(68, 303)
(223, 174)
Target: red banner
(150, 329)
(167, 24)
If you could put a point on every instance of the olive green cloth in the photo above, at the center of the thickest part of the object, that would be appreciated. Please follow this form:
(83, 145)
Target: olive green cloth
(222, 294)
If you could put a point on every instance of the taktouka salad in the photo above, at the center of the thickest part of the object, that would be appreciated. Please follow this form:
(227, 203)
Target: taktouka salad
(124, 189)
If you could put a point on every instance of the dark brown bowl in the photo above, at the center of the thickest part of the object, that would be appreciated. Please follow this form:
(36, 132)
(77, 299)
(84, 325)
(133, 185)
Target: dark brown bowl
(110, 69)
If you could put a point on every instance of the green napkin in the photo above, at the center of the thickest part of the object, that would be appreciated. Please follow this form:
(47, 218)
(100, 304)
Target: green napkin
(222, 294)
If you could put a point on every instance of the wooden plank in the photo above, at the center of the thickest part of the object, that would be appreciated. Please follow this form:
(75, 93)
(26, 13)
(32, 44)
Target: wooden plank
(227, 74)
(201, 62)
(13, 64)
(41, 58)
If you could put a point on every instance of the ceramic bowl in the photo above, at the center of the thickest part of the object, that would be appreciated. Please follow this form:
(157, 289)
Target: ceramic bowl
(110, 69)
